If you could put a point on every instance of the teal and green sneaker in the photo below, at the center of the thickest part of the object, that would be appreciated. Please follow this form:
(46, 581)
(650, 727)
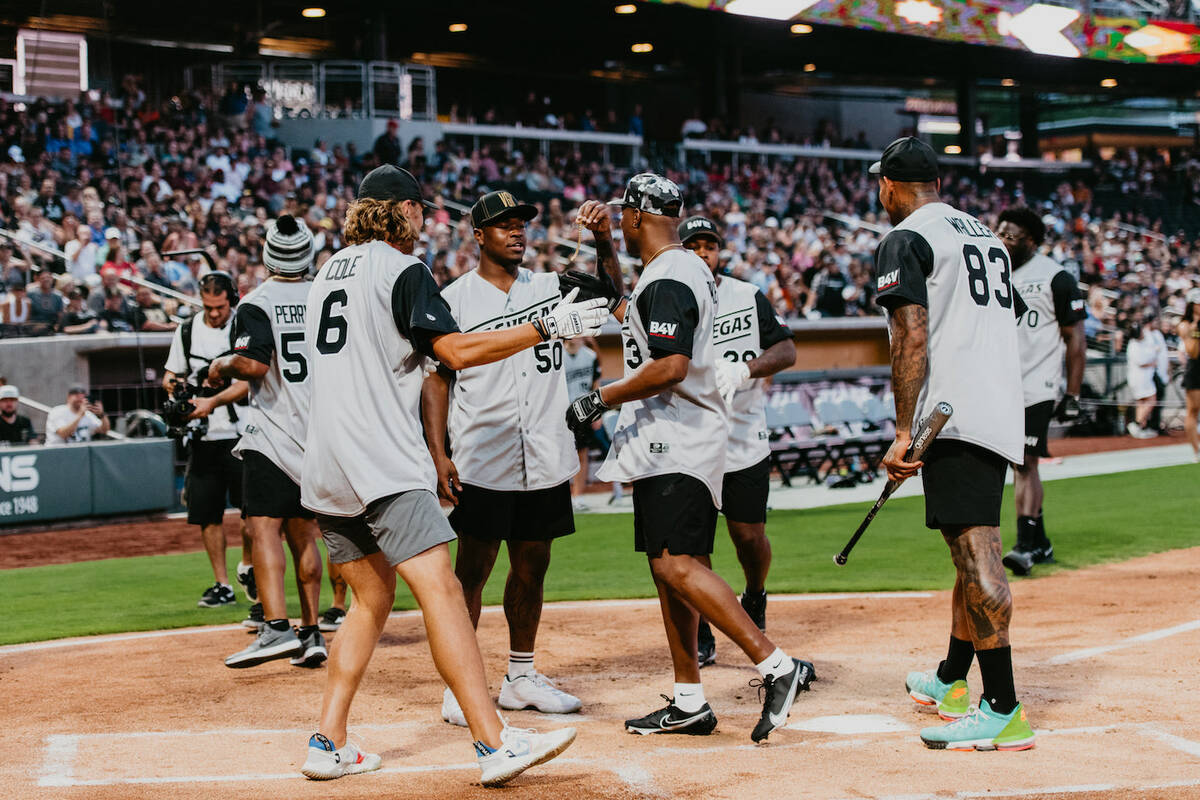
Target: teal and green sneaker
(953, 700)
(983, 729)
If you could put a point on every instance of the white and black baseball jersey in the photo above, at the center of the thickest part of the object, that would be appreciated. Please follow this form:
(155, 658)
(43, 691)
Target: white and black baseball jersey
(507, 423)
(207, 345)
(372, 315)
(950, 263)
(682, 429)
(582, 370)
(1054, 302)
(745, 326)
(269, 328)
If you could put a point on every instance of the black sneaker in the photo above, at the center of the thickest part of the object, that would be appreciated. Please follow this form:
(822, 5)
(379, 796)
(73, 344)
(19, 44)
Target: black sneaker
(314, 652)
(331, 619)
(1019, 561)
(706, 645)
(780, 693)
(1043, 553)
(254, 619)
(245, 576)
(672, 720)
(755, 604)
(217, 595)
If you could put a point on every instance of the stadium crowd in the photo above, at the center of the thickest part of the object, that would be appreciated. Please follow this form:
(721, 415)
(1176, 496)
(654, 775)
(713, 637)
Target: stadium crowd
(103, 190)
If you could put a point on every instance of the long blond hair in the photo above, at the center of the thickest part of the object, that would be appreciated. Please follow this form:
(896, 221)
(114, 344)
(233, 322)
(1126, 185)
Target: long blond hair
(383, 220)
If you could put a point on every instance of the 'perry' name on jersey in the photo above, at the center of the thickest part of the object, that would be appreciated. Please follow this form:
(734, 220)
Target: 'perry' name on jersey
(289, 314)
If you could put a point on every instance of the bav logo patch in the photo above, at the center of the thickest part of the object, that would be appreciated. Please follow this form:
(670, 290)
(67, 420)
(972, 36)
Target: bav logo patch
(659, 447)
(889, 280)
(664, 329)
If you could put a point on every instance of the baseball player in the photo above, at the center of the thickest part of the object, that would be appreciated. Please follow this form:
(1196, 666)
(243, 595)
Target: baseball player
(945, 281)
(270, 352)
(670, 441)
(582, 369)
(1189, 347)
(513, 458)
(1052, 324)
(374, 317)
(752, 343)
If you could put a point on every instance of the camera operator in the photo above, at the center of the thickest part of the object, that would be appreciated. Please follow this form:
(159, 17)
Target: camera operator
(212, 470)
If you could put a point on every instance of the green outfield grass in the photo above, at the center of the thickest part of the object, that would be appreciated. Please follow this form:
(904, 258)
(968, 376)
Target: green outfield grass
(1091, 520)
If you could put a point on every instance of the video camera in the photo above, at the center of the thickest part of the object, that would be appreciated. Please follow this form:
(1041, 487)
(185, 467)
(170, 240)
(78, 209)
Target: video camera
(179, 407)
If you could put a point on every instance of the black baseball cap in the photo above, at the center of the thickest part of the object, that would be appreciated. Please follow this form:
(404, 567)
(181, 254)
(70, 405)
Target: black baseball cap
(391, 183)
(692, 227)
(652, 194)
(907, 159)
(495, 206)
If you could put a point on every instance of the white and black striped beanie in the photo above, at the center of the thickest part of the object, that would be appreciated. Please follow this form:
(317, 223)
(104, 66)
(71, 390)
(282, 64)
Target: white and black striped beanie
(289, 247)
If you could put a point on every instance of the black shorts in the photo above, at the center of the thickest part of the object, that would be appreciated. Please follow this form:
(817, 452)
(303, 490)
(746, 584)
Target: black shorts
(1037, 427)
(534, 516)
(1191, 375)
(744, 493)
(213, 473)
(674, 513)
(268, 491)
(964, 485)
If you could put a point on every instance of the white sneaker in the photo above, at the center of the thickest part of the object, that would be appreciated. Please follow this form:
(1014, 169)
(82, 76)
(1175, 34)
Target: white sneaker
(325, 762)
(1133, 429)
(451, 711)
(536, 690)
(579, 507)
(521, 750)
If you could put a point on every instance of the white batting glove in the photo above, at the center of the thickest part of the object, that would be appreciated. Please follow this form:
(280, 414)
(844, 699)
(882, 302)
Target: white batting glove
(569, 319)
(731, 376)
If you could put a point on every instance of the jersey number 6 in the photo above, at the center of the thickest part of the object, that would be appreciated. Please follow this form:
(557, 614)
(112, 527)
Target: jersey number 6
(332, 323)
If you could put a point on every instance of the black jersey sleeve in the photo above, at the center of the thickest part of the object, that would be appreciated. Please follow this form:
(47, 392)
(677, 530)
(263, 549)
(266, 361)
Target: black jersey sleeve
(1068, 300)
(669, 311)
(770, 329)
(252, 336)
(420, 311)
(903, 260)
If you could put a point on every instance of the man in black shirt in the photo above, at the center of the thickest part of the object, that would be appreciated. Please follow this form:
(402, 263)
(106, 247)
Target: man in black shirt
(14, 428)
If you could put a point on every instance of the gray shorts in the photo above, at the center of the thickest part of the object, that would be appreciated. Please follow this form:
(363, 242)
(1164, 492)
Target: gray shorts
(400, 526)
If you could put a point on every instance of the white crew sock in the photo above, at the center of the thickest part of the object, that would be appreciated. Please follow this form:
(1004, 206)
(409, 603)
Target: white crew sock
(775, 665)
(519, 664)
(689, 697)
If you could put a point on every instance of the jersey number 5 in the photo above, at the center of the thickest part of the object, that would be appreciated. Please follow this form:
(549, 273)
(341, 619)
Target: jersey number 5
(977, 277)
(294, 359)
(332, 323)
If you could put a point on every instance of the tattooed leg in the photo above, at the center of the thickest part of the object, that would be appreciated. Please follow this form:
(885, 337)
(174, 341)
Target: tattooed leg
(982, 588)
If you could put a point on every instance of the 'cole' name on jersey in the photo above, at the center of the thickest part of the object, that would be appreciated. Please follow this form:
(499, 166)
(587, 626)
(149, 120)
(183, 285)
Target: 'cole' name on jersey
(341, 268)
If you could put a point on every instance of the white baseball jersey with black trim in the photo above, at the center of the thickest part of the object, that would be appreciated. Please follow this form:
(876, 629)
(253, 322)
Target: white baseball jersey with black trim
(507, 423)
(1054, 302)
(950, 263)
(745, 326)
(269, 328)
(372, 315)
(682, 429)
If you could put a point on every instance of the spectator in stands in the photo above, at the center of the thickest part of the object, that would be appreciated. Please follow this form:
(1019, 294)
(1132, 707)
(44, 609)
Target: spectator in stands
(259, 115)
(49, 202)
(116, 313)
(14, 428)
(114, 255)
(81, 254)
(78, 420)
(149, 314)
(387, 146)
(828, 297)
(78, 317)
(152, 268)
(46, 302)
(16, 309)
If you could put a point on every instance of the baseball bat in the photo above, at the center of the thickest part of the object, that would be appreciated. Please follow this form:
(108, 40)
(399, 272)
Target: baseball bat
(926, 433)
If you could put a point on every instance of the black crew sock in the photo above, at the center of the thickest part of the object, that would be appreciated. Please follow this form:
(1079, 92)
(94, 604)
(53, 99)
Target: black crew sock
(1026, 534)
(958, 661)
(1040, 524)
(278, 624)
(306, 630)
(995, 667)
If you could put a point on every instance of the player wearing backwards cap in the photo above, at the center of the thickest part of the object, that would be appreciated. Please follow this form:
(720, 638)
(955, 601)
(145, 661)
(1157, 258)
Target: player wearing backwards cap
(374, 317)
(1055, 316)
(513, 457)
(270, 352)
(1189, 345)
(670, 441)
(752, 343)
(945, 281)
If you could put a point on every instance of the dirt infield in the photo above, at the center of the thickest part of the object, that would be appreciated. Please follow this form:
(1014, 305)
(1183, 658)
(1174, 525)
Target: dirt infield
(1106, 663)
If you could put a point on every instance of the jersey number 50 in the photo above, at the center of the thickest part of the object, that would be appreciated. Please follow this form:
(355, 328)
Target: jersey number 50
(977, 276)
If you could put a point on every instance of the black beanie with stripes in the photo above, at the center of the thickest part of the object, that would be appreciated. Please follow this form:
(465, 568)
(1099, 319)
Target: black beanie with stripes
(289, 247)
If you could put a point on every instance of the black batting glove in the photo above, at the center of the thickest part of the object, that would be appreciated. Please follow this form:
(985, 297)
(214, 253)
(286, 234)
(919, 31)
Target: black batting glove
(590, 286)
(585, 410)
(1068, 408)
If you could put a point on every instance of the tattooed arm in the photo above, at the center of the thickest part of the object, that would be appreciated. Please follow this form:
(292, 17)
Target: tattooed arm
(909, 329)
